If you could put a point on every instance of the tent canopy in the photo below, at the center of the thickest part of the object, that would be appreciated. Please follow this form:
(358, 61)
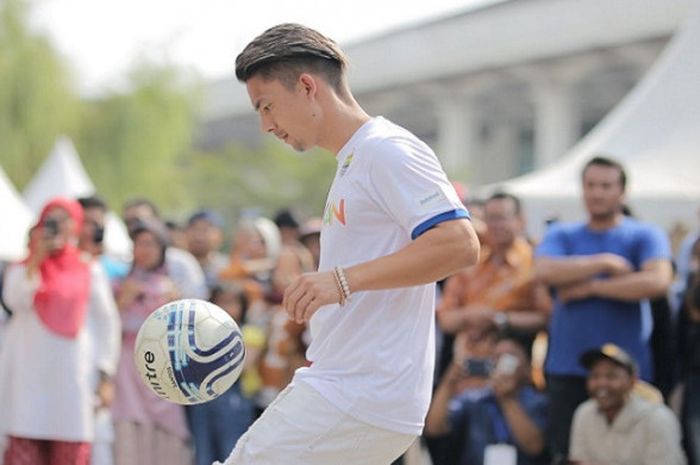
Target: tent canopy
(63, 174)
(17, 221)
(654, 132)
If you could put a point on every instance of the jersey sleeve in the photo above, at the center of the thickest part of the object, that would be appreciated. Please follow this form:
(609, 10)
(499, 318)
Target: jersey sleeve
(408, 182)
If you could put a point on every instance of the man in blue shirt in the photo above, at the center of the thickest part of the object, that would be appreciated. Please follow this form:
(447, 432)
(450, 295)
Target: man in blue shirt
(602, 273)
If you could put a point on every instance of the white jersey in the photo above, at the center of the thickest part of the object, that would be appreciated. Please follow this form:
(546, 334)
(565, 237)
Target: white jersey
(373, 358)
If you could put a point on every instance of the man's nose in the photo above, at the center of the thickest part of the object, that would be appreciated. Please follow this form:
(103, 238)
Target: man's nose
(266, 124)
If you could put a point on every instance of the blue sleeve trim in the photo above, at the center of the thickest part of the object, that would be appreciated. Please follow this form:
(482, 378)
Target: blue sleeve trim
(450, 215)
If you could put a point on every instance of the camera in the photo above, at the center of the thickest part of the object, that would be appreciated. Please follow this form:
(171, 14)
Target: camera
(50, 227)
(98, 236)
(478, 367)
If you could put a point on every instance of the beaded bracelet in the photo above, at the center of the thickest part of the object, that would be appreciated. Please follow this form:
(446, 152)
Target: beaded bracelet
(344, 286)
(339, 286)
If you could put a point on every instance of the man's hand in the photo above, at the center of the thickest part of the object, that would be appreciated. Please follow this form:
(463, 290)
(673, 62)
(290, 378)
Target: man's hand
(575, 291)
(616, 265)
(129, 291)
(105, 393)
(505, 385)
(306, 294)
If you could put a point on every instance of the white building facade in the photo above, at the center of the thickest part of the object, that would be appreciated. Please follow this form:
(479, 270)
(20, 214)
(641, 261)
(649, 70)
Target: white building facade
(496, 91)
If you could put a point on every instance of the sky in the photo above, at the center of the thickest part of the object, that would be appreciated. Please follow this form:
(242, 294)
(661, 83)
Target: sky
(101, 39)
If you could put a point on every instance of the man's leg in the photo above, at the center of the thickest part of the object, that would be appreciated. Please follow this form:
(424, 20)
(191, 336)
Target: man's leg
(301, 428)
(566, 393)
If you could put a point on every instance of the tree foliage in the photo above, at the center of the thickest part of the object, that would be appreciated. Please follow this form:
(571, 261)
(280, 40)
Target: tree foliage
(238, 179)
(37, 102)
(132, 143)
(138, 141)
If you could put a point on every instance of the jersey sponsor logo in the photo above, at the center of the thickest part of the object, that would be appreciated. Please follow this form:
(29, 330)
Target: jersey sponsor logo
(346, 164)
(429, 200)
(334, 212)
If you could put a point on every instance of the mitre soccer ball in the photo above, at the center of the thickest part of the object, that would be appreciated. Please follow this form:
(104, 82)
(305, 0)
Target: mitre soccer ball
(189, 351)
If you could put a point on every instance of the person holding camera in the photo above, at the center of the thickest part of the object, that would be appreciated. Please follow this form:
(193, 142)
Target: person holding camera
(92, 237)
(501, 424)
(47, 402)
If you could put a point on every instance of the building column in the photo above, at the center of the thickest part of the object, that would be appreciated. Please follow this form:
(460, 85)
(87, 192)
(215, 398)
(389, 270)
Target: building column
(458, 142)
(500, 149)
(557, 120)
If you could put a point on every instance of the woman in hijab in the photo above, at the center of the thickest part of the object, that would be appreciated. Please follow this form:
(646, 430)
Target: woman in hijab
(47, 395)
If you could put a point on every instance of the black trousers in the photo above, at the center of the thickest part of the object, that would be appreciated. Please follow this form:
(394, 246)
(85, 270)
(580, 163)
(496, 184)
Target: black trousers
(565, 394)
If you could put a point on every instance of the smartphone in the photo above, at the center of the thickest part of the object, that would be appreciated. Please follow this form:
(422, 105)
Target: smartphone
(99, 234)
(50, 227)
(478, 367)
(507, 364)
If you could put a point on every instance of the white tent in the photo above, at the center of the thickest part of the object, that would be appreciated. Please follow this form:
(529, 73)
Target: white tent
(17, 219)
(654, 132)
(62, 174)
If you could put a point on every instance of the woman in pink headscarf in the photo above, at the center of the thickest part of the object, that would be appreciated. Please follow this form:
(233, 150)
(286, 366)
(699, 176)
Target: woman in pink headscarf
(47, 397)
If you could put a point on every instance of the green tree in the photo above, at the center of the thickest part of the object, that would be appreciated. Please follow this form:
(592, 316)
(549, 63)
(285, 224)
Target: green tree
(133, 142)
(235, 179)
(37, 103)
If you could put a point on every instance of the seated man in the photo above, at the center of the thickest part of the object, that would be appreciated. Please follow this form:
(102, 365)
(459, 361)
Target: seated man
(502, 424)
(616, 426)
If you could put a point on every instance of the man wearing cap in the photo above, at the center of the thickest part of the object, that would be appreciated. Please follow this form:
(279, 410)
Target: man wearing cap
(616, 425)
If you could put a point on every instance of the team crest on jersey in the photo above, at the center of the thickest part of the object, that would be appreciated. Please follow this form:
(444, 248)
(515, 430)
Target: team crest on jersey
(346, 164)
(334, 213)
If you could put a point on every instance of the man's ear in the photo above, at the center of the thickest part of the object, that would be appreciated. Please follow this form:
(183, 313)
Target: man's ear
(308, 84)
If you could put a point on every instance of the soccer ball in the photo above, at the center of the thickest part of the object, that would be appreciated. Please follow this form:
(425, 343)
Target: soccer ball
(189, 351)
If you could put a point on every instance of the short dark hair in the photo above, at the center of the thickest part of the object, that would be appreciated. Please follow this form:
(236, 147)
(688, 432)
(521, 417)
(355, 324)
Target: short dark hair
(506, 196)
(92, 201)
(285, 218)
(608, 163)
(285, 51)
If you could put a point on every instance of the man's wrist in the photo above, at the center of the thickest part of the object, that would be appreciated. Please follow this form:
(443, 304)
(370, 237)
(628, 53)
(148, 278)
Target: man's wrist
(593, 287)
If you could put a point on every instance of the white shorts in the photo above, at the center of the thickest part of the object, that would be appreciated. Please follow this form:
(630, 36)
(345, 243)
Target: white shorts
(302, 428)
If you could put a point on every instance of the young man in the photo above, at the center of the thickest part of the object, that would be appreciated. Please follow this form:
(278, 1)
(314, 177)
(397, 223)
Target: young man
(617, 426)
(602, 272)
(393, 225)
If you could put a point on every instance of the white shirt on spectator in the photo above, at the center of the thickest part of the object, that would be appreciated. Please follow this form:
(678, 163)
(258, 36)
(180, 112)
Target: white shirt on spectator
(47, 383)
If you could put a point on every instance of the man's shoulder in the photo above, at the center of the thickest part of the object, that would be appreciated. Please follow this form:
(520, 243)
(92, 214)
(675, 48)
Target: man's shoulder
(567, 228)
(640, 227)
(390, 141)
(658, 414)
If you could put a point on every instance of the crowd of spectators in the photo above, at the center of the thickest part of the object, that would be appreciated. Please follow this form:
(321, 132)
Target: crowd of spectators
(548, 351)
